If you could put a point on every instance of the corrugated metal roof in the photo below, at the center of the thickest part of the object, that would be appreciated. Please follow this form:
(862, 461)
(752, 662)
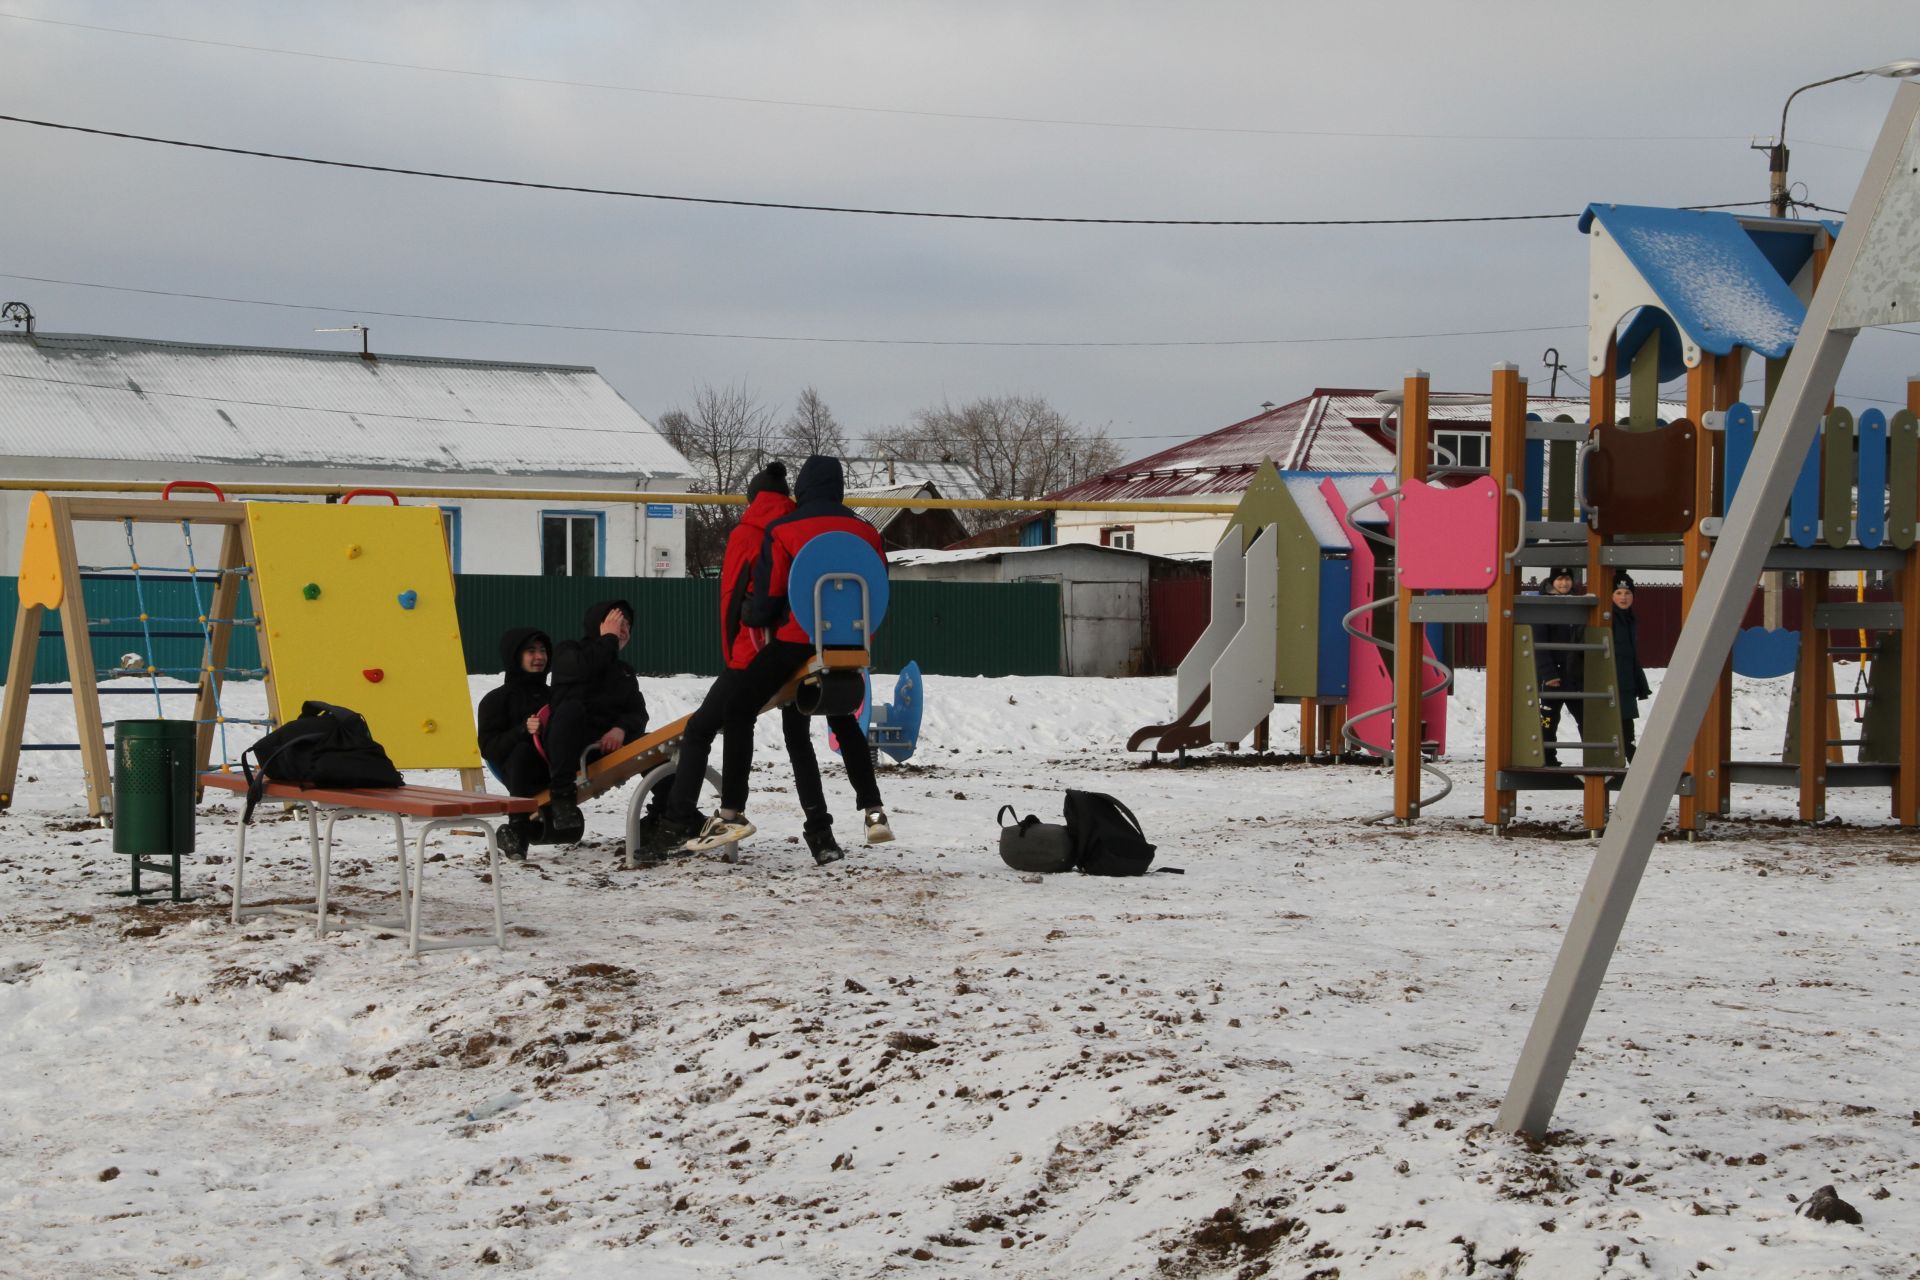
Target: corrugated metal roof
(955, 479)
(1323, 432)
(129, 399)
(881, 517)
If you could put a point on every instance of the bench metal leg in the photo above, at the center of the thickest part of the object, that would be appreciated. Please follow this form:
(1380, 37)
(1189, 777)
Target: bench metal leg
(239, 874)
(418, 941)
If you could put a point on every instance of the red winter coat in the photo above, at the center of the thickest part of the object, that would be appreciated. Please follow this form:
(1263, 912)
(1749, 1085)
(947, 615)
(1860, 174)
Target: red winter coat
(818, 509)
(737, 640)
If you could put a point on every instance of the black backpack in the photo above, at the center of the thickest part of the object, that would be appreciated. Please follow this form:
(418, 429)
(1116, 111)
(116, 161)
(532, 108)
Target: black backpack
(1105, 836)
(327, 746)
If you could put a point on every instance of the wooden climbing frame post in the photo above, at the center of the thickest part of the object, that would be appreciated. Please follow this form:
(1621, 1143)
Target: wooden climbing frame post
(1906, 788)
(1509, 466)
(1408, 669)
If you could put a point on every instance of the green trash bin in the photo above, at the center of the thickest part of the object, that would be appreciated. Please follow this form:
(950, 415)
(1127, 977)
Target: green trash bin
(153, 763)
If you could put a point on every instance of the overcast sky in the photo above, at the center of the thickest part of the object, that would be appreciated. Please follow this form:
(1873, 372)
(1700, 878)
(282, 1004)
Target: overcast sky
(1263, 110)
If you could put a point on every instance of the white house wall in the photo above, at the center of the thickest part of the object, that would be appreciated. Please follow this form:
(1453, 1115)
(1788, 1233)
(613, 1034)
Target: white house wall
(1162, 533)
(496, 535)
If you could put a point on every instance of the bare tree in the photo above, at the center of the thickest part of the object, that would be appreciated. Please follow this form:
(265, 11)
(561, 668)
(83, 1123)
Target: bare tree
(811, 428)
(1019, 446)
(724, 436)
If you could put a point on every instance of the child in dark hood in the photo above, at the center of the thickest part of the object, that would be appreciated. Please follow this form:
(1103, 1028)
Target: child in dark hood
(509, 719)
(1626, 659)
(596, 702)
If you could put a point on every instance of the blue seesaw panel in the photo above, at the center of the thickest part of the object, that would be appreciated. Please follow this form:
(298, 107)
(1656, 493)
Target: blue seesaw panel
(894, 728)
(1765, 655)
(838, 623)
(1739, 428)
(1871, 522)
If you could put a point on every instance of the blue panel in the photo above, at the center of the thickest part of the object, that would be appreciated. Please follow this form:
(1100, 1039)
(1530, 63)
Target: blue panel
(1037, 532)
(1803, 512)
(1739, 427)
(1336, 590)
(1871, 523)
(1787, 251)
(1765, 655)
(840, 599)
(1535, 481)
(1709, 275)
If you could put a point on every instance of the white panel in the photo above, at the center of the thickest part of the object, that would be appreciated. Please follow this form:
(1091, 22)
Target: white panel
(1615, 288)
(1229, 577)
(1243, 677)
(1884, 285)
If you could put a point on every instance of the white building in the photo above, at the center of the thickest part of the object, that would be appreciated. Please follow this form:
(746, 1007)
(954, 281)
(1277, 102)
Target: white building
(81, 407)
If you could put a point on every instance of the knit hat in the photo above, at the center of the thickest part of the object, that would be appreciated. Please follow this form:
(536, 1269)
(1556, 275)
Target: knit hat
(1561, 571)
(772, 478)
(1623, 579)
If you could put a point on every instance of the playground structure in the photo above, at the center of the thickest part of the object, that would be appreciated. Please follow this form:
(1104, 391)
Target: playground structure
(1297, 590)
(1699, 293)
(313, 572)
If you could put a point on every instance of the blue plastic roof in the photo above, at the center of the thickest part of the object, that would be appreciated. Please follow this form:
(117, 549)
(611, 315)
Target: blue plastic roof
(1724, 285)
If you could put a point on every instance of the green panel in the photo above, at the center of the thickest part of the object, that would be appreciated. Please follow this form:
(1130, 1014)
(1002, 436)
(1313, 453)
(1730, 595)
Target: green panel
(1601, 718)
(1643, 387)
(114, 606)
(1903, 477)
(1528, 750)
(950, 628)
(1880, 730)
(1560, 455)
(972, 629)
(1836, 479)
(1296, 650)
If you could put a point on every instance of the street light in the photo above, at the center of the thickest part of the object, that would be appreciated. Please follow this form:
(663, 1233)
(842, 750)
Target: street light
(1899, 69)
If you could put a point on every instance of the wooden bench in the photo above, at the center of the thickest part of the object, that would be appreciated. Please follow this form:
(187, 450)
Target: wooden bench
(430, 807)
(653, 757)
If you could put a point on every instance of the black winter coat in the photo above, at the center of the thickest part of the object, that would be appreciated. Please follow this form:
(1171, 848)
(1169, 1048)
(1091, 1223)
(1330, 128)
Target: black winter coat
(504, 711)
(1626, 663)
(1564, 665)
(590, 670)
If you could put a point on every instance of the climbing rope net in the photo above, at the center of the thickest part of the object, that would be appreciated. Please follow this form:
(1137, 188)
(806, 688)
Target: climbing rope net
(149, 627)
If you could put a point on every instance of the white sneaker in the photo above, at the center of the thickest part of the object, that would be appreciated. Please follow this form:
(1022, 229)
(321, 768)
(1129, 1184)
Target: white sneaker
(720, 831)
(878, 832)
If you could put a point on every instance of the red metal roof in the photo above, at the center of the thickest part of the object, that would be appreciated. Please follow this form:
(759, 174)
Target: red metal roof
(1336, 429)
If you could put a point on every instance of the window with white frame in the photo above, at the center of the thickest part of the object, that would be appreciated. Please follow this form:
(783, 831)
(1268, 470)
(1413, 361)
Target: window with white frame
(1466, 448)
(570, 543)
(450, 524)
(1117, 535)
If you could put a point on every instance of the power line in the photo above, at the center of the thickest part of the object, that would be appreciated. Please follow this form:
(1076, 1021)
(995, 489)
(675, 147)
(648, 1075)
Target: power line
(777, 337)
(792, 206)
(894, 111)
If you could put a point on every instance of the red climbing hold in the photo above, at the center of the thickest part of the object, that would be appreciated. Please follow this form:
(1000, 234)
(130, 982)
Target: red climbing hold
(374, 675)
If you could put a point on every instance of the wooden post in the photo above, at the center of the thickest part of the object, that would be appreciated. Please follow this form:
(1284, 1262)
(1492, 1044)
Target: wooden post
(1309, 726)
(81, 674)
(1815, 683)
(1906, 788)
(13, 720)
(1407, 649)
(1704, 761)
(226, 598)
(1508, 463)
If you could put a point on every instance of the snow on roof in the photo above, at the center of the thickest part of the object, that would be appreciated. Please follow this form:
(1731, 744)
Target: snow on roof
(131, 399)
(956, 479)
(964, 554)
(1324, 432)
(881, 517)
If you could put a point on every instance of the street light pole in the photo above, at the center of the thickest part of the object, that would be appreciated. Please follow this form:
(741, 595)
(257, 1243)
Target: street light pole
(1777, 201)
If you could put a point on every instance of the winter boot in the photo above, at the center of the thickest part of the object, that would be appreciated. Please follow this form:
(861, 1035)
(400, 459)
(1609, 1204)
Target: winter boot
(721, 830)
(878, 832)
(565, 822)
(822, 845)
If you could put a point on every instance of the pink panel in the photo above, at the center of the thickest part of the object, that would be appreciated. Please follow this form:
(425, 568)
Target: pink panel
(1450, 538)
(1369, 683)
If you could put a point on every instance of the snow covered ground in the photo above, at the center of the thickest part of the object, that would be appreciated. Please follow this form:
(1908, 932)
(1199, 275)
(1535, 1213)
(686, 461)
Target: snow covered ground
(921, 1063)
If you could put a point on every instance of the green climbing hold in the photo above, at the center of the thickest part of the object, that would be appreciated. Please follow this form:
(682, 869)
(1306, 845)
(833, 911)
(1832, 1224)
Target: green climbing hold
(311, 591)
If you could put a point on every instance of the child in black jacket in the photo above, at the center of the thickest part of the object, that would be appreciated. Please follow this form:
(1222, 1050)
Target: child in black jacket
(596, 702)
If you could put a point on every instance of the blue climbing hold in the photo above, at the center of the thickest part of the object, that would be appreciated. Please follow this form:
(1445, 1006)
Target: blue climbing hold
(408, 599)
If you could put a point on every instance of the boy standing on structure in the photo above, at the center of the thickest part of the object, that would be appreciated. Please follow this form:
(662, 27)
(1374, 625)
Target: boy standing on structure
(1626, 659)
(596, 702)
(767, 501)
(818, 492)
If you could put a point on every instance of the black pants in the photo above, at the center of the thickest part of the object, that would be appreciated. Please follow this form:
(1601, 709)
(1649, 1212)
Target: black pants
(1550, 721)
(732, 706)
(572, 727)
(1626, 736)
(521, 771)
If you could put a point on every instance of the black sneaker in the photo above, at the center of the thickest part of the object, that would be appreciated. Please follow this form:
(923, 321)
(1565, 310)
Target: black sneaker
(663, 837)
(821, 844)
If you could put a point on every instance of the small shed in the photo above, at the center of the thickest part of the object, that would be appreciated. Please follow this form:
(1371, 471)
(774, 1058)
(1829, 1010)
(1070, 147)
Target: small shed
(907, 528)
(1103, 595)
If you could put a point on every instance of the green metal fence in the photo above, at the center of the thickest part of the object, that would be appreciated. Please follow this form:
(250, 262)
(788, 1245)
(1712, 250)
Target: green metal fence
(949, 628)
